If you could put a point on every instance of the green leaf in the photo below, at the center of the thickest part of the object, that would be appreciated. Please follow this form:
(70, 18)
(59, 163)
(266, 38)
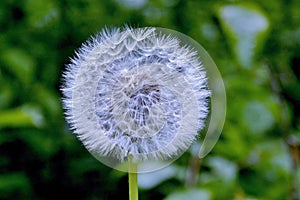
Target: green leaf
(223, 168)
(48, 99)
(257, 117)
(190, 194)
(246, 28)
(14, 185)
(6, 95)
(41, 13)
(43, 144)
(152, 179)
(19, 63)
(269, 164)
(26, 115)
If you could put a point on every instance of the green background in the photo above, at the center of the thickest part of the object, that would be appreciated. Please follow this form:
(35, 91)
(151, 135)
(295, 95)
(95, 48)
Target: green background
(256, 46)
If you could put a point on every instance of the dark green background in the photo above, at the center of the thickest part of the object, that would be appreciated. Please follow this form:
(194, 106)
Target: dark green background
(257, 154)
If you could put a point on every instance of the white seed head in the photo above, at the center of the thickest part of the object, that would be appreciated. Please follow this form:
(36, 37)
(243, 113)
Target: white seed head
(137, 92)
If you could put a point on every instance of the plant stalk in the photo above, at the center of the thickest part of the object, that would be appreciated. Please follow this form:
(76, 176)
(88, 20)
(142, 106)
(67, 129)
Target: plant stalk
(132, 179)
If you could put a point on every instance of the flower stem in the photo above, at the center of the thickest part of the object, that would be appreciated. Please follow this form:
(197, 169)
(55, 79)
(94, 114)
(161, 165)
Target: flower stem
(132, 179)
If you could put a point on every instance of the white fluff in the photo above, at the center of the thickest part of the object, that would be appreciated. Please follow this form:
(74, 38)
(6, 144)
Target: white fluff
(135, 92)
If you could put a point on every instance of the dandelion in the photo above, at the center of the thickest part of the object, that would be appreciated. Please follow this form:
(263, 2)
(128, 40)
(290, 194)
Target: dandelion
(137, 93)
(140, 97)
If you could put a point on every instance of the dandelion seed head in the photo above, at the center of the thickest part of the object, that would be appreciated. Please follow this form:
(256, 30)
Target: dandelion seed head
(136, 92)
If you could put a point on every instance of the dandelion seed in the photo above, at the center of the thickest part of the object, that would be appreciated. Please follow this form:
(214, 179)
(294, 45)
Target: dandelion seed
(136, 92)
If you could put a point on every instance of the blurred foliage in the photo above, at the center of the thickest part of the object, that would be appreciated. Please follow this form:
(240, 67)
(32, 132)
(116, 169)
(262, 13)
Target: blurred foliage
(256, 46)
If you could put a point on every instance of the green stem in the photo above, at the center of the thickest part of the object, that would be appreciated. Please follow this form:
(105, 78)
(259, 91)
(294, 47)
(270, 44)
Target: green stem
(132, 179)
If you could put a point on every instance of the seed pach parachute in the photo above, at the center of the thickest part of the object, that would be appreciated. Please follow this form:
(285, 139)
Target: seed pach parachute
(137, 92)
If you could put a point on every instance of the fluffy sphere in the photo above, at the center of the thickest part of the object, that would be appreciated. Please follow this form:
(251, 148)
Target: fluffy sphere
(136, 92)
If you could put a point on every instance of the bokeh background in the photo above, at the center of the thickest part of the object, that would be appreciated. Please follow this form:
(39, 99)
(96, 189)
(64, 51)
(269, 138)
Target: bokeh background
(256, 46)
